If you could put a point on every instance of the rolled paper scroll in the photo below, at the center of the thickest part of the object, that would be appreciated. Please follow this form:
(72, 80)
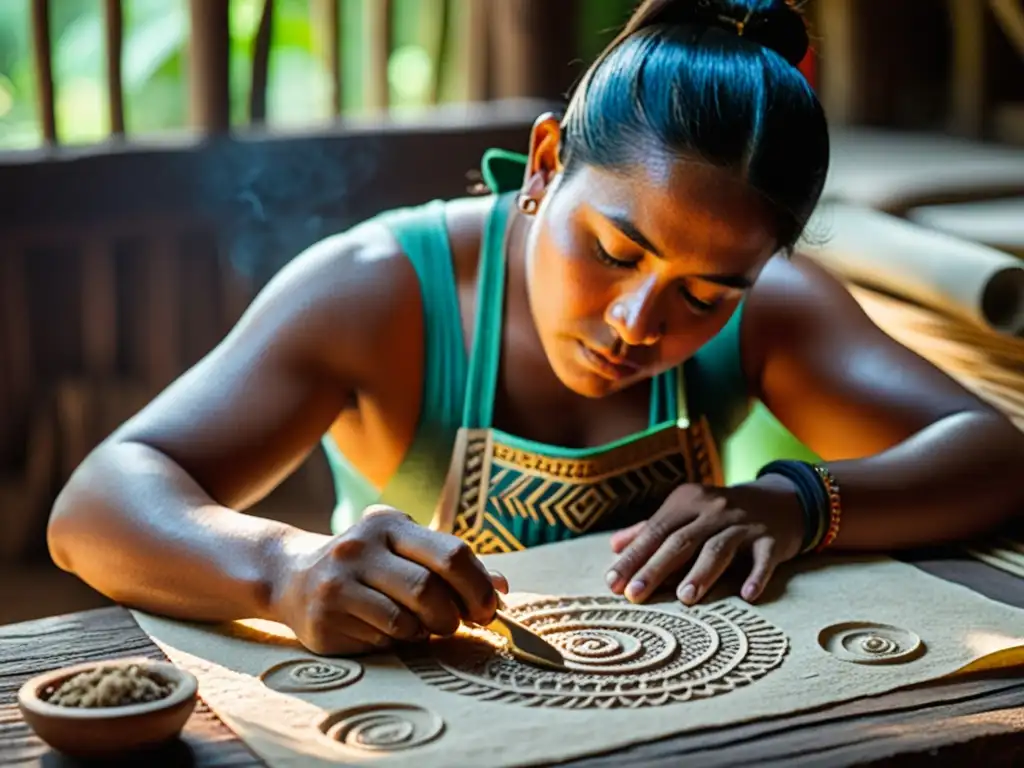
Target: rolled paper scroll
(966, 280)
(895, 171)
(999, 223)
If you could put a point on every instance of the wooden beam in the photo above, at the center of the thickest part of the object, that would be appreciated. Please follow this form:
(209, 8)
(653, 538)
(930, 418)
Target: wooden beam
(377, 18)
(43, 58)
(209, 65)
(161, 355)
(261, 65)
(533, 51)
(327, 30)
(114, 27)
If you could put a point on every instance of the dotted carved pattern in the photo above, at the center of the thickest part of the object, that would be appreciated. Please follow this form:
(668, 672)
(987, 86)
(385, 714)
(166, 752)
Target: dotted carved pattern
(617, 655)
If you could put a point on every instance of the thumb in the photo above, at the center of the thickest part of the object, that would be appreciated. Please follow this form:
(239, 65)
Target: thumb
(500, 582)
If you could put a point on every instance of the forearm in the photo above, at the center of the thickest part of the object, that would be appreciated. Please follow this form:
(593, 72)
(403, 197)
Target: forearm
(137, 528)
(957, 479)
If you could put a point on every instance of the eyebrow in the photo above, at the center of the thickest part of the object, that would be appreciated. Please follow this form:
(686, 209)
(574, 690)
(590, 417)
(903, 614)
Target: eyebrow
(629, 229)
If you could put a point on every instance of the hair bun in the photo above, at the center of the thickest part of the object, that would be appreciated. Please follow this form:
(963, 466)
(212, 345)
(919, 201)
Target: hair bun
(775, 24)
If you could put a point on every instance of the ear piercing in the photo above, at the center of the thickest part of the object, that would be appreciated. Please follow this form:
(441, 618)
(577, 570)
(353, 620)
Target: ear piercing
(527, 204)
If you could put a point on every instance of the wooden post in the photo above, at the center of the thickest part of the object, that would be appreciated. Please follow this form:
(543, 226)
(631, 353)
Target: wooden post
(114, 26)
(377, 17)
(327, 29)
(967, 94)
(840, 81)
(43, 56)
(209, 93)
(532, 58)
(477, 46)
(261, 65)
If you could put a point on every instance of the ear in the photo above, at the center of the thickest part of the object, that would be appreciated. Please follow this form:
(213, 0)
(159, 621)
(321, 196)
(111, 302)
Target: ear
(542, 161)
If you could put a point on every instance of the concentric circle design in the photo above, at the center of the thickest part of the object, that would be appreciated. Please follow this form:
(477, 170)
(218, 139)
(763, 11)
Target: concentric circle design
(616, 655)
(863, 642)
(311, 675)
(382, 727)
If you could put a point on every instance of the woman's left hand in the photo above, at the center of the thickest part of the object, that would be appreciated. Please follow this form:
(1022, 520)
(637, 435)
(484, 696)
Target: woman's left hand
(713, 525)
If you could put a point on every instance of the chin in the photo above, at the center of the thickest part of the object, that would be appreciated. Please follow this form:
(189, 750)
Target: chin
(586, 383)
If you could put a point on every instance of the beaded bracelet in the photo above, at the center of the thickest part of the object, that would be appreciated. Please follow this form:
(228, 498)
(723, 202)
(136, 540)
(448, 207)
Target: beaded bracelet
(814, 499)
(835, 507)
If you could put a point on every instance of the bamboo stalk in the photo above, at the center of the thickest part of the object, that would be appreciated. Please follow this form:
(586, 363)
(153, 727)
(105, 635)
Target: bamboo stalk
(43, 58)
(261, 65)
(114, 27)
(209, 66)
(377, 17)
(441, 40)
(476, 38)
(326, 27)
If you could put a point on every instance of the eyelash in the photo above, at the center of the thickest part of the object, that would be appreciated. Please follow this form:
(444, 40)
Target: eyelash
(606, 258)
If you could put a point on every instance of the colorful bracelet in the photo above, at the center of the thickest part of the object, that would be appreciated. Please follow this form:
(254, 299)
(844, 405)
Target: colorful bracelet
(813, 495)
(835, 507)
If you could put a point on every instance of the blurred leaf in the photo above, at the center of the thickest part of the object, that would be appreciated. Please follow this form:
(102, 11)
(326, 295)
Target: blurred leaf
(156, 38)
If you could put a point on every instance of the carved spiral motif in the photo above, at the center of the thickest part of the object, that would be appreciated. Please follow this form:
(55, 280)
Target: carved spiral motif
(309, 675)
(382, 727)
(616, 655)
(868, 643)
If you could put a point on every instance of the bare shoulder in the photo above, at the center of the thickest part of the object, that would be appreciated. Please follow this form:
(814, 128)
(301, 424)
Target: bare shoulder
(338, 300)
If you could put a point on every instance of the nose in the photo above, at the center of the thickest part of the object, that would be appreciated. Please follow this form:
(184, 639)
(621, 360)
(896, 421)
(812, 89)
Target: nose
(634, 315)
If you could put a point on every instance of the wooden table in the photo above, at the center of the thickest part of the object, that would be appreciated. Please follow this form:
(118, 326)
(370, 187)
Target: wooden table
(979, 720)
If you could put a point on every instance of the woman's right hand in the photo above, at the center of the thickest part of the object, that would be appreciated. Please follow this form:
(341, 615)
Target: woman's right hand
(386, 579)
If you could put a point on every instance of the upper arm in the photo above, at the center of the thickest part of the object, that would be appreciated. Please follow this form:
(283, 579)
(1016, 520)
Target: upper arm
(829, 374)
(251, 410)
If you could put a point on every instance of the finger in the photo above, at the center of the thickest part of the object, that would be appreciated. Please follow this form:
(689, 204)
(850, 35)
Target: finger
(499, 581)
(658, 528)
(674, 552)
(622, 539)
(368, 604)
(715, 556)
(452, 559)
(764, 552)
(344, 635)
(417, 589)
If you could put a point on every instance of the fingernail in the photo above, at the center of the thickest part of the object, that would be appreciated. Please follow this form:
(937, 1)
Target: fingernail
(635, 589)
(612, 578)
(749, 591)
(688, 593)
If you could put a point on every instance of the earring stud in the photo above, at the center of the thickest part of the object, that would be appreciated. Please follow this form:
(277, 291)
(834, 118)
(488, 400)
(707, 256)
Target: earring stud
(527, 204)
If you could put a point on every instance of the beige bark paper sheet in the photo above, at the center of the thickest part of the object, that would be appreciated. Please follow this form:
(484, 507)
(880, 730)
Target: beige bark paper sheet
(830, 631)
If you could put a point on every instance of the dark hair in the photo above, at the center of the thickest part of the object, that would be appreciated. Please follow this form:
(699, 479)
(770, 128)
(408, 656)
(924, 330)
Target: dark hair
(715, 80)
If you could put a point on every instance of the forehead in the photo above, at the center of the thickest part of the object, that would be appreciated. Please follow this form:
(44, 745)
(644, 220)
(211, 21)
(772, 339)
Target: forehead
(685, 209)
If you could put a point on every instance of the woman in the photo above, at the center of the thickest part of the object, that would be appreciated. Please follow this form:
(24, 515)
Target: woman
(561, 357)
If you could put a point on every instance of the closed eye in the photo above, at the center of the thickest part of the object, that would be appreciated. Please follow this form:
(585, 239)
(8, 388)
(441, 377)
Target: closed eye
(699, 304)
(604, 257)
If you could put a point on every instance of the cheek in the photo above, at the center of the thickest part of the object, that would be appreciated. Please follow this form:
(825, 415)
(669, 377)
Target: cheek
(563, 283)
(690, 332)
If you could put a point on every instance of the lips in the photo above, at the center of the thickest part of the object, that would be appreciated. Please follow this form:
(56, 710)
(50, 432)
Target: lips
(610, 367)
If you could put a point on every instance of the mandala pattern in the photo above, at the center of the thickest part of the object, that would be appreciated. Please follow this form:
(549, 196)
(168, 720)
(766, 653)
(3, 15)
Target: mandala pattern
(617, 655)
(310, 675)
(869, 643)
(382, 727)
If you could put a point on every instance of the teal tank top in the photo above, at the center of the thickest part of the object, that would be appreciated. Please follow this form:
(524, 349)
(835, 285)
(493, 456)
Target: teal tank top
(715, 383)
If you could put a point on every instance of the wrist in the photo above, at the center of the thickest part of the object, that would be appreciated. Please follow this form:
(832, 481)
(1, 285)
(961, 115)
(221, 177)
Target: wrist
(776, 498)
(286, 557)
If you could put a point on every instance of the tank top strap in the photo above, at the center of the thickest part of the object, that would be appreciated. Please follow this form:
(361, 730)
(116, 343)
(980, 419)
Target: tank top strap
(422, 233)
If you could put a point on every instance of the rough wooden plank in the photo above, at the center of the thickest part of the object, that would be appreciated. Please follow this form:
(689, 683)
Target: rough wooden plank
(326, 19)
(378, 19)
(99, 308)
(109, 633)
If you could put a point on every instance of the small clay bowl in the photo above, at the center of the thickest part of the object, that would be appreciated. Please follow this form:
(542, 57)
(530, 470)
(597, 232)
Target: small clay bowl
(99, 732)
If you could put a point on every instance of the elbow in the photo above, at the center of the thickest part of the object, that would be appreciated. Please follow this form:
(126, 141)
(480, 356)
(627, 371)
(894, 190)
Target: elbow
(77, 509)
